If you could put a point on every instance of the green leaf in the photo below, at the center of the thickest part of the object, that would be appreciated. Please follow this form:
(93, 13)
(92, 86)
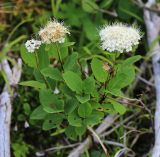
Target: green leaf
(121, 109)
(94, 118)
(70, 18)
(50, 102)
(43, 57)
(95, 105)
(20, 148)
(131, 60)
(28, 58)
(88, 85)
(108, 108)
(34, 84)
(70, 105)
(124, 77)
(52, 121)
(74, 119)
(52, 73)
(115, 92)
(73, 81)
(89, 6)
(106, 4)
(95, 94)
(98, 71)
(67, 44)
(52, 51)
(63, 51)
(71, 133)
(116, 82)
(127, 10)
(70, 62)
(80, 130)
(83, 99)
(85, 110)
(26, 108)
(38, 113)
(66, 90)
(90, 29)
(129, 72)
(37, 75)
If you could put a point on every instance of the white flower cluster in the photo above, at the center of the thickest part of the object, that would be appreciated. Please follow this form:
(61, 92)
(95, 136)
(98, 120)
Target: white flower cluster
(53, 32)
(119, 37)
(32, 45)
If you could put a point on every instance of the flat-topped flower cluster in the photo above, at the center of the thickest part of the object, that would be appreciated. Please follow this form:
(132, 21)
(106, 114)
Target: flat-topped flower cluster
(117, 37)
(32, 45)
(53, 32)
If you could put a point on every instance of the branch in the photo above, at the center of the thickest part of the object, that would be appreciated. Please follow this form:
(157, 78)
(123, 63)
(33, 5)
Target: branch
(5, 119)
(13, 76)
(148, 7)
(113, 14)
(87, 143)
(152, 21)
(99, 140)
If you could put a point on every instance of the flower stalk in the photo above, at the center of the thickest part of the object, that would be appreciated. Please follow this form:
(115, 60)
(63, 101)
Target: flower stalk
(59, 56)
(43, 77)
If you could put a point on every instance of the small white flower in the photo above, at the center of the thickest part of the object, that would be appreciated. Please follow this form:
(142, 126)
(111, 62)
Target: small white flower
(53, 32)
(62, 40)
(119, 37)
(56, 91)
(32, 45)
(26, 124)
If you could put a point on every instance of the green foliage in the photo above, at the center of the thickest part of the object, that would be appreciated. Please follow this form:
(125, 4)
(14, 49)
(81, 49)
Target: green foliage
(90, 30)
(71, 133)
(28, 58)
(42, 57)
(38, 113)
(128, 10)
(79, 99)
(121, 109)
(70, 105)
(88, 85)
(20, 149)
(50, 102)
(74, 119)
(89, 6)
(94, 118)
(80, 130)
(70, 62)
(98, 71)
(85, 110)
(52, 73)
(73, 81)
(52, 121)
(124, 76)
(86, 90)
(33, 83)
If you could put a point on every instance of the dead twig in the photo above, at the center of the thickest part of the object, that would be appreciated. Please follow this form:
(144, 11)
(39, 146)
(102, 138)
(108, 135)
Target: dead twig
(58, 148)
(99, 140)
(140, 4)
(118, 125)
(145, 81)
